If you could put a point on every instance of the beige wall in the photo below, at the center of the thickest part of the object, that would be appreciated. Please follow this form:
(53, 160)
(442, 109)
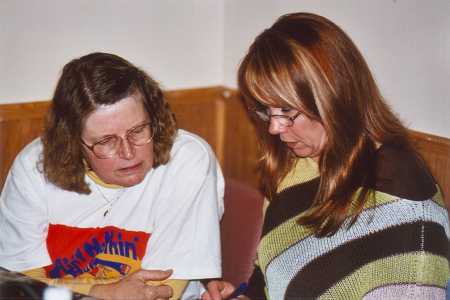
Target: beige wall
(194, 43)
(406, 43)
(178, 42)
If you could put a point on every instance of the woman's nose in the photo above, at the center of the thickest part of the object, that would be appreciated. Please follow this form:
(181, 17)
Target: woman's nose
(127, 149)
(275, 126)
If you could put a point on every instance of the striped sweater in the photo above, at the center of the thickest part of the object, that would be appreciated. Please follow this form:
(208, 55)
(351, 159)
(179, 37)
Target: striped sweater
(397, 249)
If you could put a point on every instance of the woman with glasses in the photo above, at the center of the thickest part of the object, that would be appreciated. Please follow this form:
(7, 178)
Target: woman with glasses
(354, 213)
(113, 198)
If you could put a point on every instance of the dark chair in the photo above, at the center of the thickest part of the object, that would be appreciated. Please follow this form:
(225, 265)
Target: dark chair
(240, 230)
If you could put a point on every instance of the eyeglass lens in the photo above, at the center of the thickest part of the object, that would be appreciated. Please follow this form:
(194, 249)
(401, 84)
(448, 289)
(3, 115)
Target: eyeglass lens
(138, 136)
(265, 116)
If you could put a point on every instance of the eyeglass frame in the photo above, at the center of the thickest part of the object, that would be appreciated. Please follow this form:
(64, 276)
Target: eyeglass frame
(265, 117)
(91, 147)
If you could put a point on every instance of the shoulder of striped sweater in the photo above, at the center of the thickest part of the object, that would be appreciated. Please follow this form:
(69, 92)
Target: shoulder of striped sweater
(402, 173)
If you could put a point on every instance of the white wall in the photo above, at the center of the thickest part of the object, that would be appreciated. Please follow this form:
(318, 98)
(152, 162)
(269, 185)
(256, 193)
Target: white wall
(406, 43)
(180, 43)
(193, 43)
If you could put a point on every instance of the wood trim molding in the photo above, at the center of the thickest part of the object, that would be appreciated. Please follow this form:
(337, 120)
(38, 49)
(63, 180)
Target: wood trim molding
(20, 111)
(440, 143)
(435, 150)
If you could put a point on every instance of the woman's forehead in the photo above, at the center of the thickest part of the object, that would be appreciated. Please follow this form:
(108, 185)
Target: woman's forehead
(115, 118)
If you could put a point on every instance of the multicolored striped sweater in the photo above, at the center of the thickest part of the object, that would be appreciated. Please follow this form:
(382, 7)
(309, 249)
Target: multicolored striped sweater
(397, 249)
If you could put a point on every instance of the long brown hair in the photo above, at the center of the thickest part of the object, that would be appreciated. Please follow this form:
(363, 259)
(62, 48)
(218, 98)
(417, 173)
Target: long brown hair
(86, 83)
(306, 62)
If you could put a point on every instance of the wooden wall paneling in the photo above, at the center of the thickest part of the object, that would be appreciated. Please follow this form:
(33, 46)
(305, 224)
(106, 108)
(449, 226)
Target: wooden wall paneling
(435, 150)
(217, 115)
(19, 125)
(201, 111)
(241, 143)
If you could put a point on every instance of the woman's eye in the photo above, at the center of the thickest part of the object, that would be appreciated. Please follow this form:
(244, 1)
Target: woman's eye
(105, 141)
(286, 110)
(138, 130)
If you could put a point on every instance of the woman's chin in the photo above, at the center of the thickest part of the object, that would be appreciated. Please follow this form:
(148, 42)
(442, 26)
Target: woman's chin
(131, 176)
(131, 181)
(302, 152)
(305, 153)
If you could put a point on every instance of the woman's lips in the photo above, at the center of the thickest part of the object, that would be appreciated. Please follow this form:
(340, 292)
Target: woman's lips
(291, 144)
(130, 169)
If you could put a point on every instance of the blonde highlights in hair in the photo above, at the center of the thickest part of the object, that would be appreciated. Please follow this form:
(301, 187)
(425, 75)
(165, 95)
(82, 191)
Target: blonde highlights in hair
(306, 62)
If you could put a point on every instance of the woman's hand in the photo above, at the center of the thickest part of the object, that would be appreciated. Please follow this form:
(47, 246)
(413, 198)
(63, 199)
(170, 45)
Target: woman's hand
(133, 287)
(218, 290)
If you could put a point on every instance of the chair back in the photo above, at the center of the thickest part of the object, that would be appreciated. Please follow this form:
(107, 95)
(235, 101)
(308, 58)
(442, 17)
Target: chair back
(240, 230)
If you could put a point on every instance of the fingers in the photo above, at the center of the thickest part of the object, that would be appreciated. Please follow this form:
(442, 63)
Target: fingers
(218, 290)
(227, 290)
(206, 296)
(214, 288)
(157, 292)
(152, 275)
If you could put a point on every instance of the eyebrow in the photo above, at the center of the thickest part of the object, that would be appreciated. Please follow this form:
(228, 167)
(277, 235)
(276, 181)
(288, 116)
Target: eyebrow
(103, 137)
(280, 109)
(138, 125)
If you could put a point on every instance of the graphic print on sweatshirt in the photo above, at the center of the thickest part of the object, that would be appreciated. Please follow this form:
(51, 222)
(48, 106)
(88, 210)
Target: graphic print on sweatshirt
(106, 252)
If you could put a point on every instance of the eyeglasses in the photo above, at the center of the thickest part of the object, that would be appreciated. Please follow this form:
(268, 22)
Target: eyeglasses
(110, 145)
(283, 120)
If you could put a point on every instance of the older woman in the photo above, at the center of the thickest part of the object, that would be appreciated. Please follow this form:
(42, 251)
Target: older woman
(112, 190)
(354, 213)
